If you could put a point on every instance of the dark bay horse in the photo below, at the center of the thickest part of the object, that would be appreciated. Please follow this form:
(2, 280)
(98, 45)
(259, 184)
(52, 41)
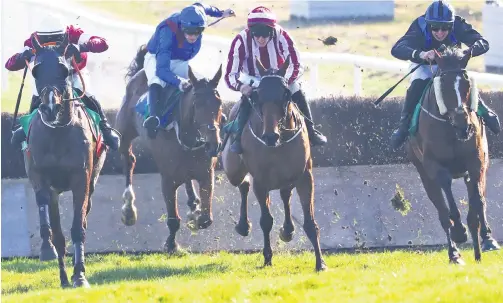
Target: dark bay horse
(451, 143)
(62, 154)
(187, 152)
(276, 153)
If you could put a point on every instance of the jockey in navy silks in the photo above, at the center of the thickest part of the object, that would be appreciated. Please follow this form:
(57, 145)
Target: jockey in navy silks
(176, 40)
(439, 25)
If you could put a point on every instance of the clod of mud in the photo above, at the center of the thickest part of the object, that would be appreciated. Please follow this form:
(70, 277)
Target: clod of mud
(399, 202)
(330, 40)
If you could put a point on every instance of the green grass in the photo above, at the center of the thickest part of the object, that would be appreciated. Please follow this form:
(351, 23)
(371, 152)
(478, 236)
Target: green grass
(9, 96)
(368, 38)
(223, 277)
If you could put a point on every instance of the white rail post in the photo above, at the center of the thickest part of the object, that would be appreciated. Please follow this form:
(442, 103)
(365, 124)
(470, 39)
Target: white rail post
(357, 82)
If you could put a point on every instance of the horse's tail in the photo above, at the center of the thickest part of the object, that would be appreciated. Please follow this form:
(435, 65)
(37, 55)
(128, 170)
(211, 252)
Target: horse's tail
(137, 63)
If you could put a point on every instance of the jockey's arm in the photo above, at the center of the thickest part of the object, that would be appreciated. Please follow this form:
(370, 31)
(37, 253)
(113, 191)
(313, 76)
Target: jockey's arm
(210, 10)
(17, 62)
(235, 61)
(289, 49)
(163, 57)
(469, 36)
(86, 42)
(409, 46)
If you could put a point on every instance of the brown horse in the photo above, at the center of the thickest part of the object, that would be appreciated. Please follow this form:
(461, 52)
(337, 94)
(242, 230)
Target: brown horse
(187, 152)
(62, 154)
(451, 143)
(276, 153)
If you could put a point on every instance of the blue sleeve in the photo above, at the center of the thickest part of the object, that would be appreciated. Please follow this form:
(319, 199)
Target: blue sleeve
(163, 57)
(210, 10)
(409, 46)
(469, 36)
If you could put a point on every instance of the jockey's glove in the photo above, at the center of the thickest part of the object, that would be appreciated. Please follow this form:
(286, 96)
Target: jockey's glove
(246, 90)
(184, 85)
(228, 13)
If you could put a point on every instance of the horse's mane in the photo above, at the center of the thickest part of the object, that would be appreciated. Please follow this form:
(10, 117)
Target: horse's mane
(451, 55)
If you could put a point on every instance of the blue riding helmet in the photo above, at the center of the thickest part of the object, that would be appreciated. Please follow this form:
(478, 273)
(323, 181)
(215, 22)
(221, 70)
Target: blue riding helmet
(193, 18)
(440, 14)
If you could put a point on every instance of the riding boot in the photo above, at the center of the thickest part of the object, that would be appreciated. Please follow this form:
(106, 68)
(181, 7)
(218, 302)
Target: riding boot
(18, 136)
(111, 137)
(242, 118)
(411, 99)
(153, 122)
(490, 117)
(315, 136)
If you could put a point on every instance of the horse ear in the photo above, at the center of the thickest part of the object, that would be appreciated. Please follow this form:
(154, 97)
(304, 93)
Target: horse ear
(284, 67)
(192, 78)
(260, 66)
(467, 56)
(36, 45)
(63, 45)
(216, 79)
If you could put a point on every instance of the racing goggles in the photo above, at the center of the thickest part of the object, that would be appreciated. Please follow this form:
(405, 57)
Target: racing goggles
(435, 27)
(261, 31)
(193, 31)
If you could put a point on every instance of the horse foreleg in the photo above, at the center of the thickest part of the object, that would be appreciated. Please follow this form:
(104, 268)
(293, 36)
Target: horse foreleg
(266, 219)
(58, 238)
(286, 232)
(43, 197)
(244, 225)
(129, 210)
(305, 190)
(80, 191)
(488, 242)
(193, 201)
(173, 221)
(434, 192)
(206, 191)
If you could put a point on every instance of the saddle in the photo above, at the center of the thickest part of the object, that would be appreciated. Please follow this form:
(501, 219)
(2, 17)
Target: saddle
(169, 99)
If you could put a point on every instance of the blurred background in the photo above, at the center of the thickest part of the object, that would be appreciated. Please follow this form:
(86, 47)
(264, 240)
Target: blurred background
(359, 63)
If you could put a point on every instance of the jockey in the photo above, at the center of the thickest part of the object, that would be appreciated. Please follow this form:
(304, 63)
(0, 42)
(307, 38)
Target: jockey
(176, 40)
(52, 30)
(264, 38)
(439, 25)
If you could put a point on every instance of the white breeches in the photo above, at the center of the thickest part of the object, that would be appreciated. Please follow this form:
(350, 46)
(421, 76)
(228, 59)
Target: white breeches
(178, 67)
(294, 87)
(423, 73)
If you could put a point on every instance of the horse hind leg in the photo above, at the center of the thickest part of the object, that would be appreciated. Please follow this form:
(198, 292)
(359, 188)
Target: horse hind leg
(287, 230)
(193, 201)
(59, 238)
(243, 227)
(305, 190)
(129, 210)
(169, 193)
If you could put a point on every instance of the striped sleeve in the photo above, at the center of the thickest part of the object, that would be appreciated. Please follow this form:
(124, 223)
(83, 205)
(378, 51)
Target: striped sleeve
(235, 61)
(288, 47)
(88, 43)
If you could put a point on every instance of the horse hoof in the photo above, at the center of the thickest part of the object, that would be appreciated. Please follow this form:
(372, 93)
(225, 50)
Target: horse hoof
(457, 261)
(459, 234)
(489, 245)
(48, 253)
(80, 281)
(65, 285)
(321, 266)
(204, 221)
(129, 215)
(285, 236)
(243, 229)
(267, 263)
(194, 204)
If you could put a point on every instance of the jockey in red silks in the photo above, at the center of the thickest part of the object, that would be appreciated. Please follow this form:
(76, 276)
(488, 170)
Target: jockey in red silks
(50, 31)
(267, 40)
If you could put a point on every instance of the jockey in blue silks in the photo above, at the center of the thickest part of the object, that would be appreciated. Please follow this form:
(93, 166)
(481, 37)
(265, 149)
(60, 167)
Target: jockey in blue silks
(176, 40)
(439, 25)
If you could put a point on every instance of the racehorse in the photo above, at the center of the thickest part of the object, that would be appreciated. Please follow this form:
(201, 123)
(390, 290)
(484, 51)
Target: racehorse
(276, 153)
(187, 152)
(451, 143)
(64, 153)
